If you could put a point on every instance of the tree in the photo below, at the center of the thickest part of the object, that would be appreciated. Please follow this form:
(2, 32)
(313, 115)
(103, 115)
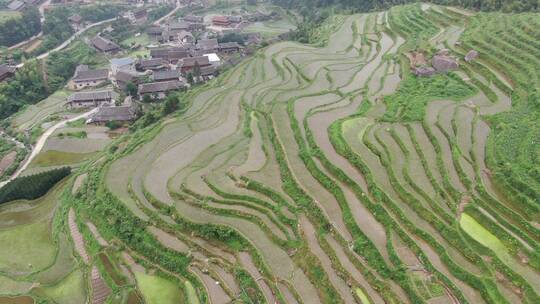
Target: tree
(147, 98)
(190, 78)
(131, 89)
(171, 104)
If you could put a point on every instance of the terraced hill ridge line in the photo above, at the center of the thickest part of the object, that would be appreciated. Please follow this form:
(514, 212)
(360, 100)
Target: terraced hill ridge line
(334, 175)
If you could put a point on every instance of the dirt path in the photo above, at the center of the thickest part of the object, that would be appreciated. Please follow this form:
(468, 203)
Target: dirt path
(100, 290)
(77, 237)
(178, 6)
(41, 143)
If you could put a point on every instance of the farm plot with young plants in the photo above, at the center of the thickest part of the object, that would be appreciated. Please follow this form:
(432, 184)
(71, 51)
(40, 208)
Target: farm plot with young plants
(320, 173)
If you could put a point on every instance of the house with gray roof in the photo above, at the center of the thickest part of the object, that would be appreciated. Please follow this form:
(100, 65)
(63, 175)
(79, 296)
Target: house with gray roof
(154, 64)
(159, 89)
(208, 45)
(104, 45)
(84, 77)
(125, 113)
(91, 99)
(166, 75)
(6, 71)
(471, 55)
(16, 5)
(444, 64)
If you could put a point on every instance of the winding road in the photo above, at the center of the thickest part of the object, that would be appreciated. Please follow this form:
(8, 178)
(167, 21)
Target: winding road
(70, 39)
(41, 143)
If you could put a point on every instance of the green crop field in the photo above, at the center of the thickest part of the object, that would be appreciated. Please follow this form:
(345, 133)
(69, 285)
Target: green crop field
(308, 173)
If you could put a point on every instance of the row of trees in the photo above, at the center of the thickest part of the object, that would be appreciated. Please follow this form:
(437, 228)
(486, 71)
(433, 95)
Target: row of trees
(19, 28)
(32, 186)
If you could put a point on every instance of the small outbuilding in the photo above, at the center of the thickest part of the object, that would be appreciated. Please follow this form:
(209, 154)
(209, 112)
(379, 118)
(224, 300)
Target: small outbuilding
(471, 55)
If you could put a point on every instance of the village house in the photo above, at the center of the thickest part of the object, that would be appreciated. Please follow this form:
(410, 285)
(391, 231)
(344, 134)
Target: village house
(154, 64)
(177, 27)
(471, 55)
(123, 114)
(208, 45)
(193, 19)
(75, 21)
(84, 77)
(159, 89)
(257, 17)
(155, 33)
(104, 45)
(229, 47)
(186, 37)
(235, 19)
(187, 64)
(91, 99)
(171, 55)
(6, 71)
(126, 64)
(444, 63)
(176, 55)
(222, 21)
(208, 72)
(16, 5)
(140, 16)
(423, 71)
(196, 27)
(166, 75)
(122, 78)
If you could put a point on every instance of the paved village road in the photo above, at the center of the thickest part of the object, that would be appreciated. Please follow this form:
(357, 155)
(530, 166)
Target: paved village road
(41, 142)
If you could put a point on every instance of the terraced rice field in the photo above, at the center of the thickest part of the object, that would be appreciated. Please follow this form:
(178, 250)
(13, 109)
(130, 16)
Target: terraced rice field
(324, 175)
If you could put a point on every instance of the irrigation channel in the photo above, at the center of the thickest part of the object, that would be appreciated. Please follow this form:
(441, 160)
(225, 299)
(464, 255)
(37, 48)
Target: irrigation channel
(322, 174)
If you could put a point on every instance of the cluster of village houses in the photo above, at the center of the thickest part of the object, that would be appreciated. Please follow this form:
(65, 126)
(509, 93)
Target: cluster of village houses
(442, 62)
(176, 57)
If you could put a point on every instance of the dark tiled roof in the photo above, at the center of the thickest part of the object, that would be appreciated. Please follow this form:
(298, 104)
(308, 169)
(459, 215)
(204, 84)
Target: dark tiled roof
(121, 113)
(166, 75)
(157, 87)
(84, 75)
(149, 63)
(208, 70)
(190, 61)
(424, 71)
(193, 18)
(104, 45)
(175, 55)
(15, 5)
(124, 77)
(208, 43)
(5, 69)
(444, 63)
(92, 95)
(164, 52)
(229, 45)
(178, 26)
(471, 55)
(155, 30)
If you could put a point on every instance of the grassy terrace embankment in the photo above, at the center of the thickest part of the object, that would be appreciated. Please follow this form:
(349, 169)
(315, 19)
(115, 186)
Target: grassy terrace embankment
(326, 173)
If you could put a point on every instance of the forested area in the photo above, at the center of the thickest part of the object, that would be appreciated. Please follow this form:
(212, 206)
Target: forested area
(17, 29)
(32, 186)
